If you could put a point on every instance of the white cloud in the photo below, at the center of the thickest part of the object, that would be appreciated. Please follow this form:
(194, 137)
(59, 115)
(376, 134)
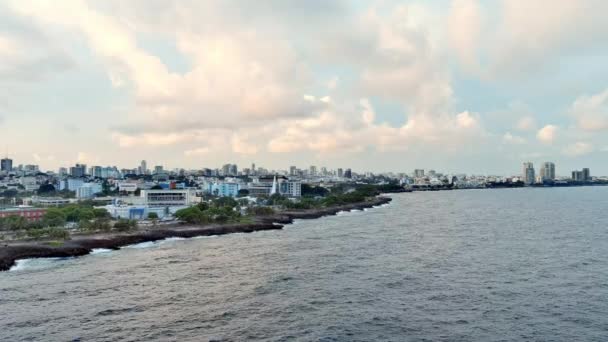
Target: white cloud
(591, 112)
(509, 138)
(547, 134)
(578, 149)
(527, 123)
(196, 151)
(87, 159)
(464, 30)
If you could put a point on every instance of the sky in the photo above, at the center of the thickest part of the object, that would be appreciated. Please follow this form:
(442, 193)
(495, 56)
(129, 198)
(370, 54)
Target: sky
(458, 86)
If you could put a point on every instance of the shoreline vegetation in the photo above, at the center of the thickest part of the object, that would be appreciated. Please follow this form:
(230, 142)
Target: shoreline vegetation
(218, 217)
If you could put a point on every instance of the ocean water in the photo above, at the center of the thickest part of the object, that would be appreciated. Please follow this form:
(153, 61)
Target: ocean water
(474, 265)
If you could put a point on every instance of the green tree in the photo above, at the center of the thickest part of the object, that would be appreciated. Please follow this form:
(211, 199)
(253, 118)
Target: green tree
(100, 213)
(152, 216)
(54, 217)
(125, 225)
(46, 189)
(225, 202)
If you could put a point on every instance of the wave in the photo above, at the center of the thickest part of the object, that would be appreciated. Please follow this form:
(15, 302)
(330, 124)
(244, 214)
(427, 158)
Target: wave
(100, 251)
(35, 264)
(146, 244)
(204, 237)
(170, 239)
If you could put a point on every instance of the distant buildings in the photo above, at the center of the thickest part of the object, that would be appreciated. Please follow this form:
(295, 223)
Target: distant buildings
(6, 165)
(419, 173)
(143, 168)
(348, 174)
(79, 170)
(528, 175)
(547, 171)
(581, 176)
(168, 198)
(29, 213)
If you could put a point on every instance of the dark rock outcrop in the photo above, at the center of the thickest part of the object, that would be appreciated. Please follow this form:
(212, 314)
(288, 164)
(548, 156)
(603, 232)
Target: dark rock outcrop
(84, 245)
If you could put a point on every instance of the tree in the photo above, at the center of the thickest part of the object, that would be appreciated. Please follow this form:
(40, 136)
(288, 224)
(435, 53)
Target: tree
(243, 193)
(54, 217)
(314, 191)
(225, 202)
(152, 216)
(46, 189)
(156, 187)
(16, 222)
(260, 211)
(125, 225)
(100, 213)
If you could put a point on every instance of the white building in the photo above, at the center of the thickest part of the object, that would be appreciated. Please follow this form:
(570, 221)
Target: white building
(528, 173)
(168, 198)
(222, 188)
(29, 183)
(547, 171)
(127, 187)
(88, 190)
(139, 212)
(70, 184)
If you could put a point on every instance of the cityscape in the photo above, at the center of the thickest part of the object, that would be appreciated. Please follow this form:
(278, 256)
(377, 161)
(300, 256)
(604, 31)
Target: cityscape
(134, 193)
(312, 170)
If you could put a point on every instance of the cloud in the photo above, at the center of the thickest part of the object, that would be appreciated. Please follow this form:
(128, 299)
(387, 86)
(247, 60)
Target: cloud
(591, 112)
(527, 123)
(196, 151)
(26, 54)
(87, 159)
(464, 31)
(509, 138)
(547, 134)
(43, 158)
(578, 149)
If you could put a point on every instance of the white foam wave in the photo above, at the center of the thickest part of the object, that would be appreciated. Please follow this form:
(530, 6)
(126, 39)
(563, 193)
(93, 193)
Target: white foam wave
(204, 237)
(34, 264)
(100, 251)
(147, 244)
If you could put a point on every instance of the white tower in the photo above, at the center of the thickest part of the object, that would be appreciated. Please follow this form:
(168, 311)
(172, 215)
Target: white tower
(274, 186)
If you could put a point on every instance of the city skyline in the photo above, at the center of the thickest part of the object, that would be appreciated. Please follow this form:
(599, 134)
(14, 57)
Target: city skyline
(461, 86)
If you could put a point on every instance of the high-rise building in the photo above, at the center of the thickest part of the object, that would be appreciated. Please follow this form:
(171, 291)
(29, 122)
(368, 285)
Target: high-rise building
(158, 169)
(348, 174)
(313, 170)
(528, 173)
(233, 171)
(581, 176)
(143, 168)
(340, 173)
(293, 171)
(62, 171)
(547, 171)
(96, 171)
(225, 169)
(586, 175)
(419, 173)
(79, 170)
(6, 165)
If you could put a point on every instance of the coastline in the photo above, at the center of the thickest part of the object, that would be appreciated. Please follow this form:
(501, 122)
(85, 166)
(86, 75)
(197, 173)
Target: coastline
(80, 246)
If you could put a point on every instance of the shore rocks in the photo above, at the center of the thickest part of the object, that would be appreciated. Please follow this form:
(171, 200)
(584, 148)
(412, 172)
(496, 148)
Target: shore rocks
(82, 246)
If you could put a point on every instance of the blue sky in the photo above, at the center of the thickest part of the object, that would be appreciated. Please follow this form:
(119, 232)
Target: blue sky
(460, 86)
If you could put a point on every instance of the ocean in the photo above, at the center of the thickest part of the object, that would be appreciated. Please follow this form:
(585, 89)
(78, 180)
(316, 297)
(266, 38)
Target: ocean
(470, 265)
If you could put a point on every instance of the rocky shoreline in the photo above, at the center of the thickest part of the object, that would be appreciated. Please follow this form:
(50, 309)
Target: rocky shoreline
(9, 254)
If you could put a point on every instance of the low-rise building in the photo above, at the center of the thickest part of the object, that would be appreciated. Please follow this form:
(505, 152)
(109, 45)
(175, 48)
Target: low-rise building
(168, 198)
(29, 213)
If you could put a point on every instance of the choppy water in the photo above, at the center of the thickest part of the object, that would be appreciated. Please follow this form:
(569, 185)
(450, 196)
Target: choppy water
(480, 265)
